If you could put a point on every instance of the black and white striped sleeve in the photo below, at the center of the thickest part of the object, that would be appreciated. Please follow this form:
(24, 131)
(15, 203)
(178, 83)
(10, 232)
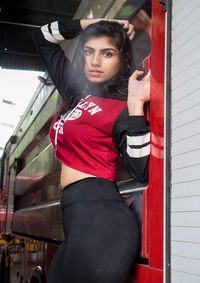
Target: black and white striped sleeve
(132, 135)
(47, 39)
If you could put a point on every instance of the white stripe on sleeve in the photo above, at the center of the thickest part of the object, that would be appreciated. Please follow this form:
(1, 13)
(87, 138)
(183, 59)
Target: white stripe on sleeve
(138, 152)
(138, 140)
(47, 34)
(55, 31)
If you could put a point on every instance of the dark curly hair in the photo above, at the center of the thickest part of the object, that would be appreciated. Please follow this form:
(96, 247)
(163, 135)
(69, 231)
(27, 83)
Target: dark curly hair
(116, 87)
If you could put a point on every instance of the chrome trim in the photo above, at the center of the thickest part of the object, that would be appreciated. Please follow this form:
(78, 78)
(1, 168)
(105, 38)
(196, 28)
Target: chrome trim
(36, 207)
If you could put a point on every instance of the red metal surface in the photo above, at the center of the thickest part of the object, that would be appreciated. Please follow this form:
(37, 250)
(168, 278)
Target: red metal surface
(155, 220)
(153, 272)
(148, 275)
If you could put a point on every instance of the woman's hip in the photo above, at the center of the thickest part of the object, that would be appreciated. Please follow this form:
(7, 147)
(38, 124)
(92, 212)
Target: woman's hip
(94, 207)
(89, 189)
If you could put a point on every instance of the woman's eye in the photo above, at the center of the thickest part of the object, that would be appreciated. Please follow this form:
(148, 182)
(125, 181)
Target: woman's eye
(107, 54)
(87, 52)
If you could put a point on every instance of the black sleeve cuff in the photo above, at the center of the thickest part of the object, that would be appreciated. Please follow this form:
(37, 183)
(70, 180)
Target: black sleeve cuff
(137, 123)
(70, 28)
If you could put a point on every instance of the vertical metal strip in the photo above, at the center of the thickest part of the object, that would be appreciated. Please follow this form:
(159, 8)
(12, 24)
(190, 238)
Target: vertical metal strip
(145, 223)
(167, 147)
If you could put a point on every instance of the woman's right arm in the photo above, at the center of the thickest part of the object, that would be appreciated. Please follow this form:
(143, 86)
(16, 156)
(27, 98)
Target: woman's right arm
(47, 39)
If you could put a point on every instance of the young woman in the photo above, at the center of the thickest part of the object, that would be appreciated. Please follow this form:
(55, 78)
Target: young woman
(101, 115)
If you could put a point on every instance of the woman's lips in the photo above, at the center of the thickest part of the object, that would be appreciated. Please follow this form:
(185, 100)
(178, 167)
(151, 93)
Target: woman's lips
(95, 72)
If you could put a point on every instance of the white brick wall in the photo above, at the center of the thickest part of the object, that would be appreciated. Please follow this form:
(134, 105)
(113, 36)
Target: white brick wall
(185, 146)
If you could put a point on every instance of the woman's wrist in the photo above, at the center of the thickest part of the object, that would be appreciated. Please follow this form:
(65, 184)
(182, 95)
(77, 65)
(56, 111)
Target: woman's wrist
(135, 108)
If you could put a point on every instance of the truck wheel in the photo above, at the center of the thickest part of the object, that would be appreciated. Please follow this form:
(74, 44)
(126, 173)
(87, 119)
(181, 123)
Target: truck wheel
(38, 276)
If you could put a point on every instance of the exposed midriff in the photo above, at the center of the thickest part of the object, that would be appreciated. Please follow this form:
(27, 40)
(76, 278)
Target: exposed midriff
(70, 175)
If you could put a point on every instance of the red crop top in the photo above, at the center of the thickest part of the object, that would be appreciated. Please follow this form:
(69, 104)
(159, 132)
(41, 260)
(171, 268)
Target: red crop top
(83, 139)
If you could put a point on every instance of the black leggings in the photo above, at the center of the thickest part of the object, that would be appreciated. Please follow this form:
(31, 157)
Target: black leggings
(101, 235)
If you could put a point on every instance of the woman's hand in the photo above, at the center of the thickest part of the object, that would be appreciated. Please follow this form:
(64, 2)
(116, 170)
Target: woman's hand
(138, 93)
(129, 28)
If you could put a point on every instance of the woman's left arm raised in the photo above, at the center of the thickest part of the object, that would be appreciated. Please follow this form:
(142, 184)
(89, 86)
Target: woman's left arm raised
(131, 130)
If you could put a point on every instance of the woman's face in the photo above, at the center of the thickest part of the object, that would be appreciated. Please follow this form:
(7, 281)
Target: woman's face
(102, 59)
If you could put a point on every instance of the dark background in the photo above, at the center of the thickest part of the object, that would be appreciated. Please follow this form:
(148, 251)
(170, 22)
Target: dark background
(17, 20)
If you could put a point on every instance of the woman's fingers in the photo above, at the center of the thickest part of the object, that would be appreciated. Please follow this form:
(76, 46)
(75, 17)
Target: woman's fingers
(124, 24)
(130, 31)
(136, 74)
(129, 28)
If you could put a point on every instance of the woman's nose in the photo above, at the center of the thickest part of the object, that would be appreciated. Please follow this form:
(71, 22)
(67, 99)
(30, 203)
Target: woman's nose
(96, 60)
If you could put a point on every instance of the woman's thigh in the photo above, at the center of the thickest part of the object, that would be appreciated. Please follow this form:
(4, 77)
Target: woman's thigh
(102, 242)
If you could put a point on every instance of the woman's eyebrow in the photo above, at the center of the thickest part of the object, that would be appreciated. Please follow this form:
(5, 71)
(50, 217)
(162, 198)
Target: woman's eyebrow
(110, 48)
(87, 47)
(103, 49)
